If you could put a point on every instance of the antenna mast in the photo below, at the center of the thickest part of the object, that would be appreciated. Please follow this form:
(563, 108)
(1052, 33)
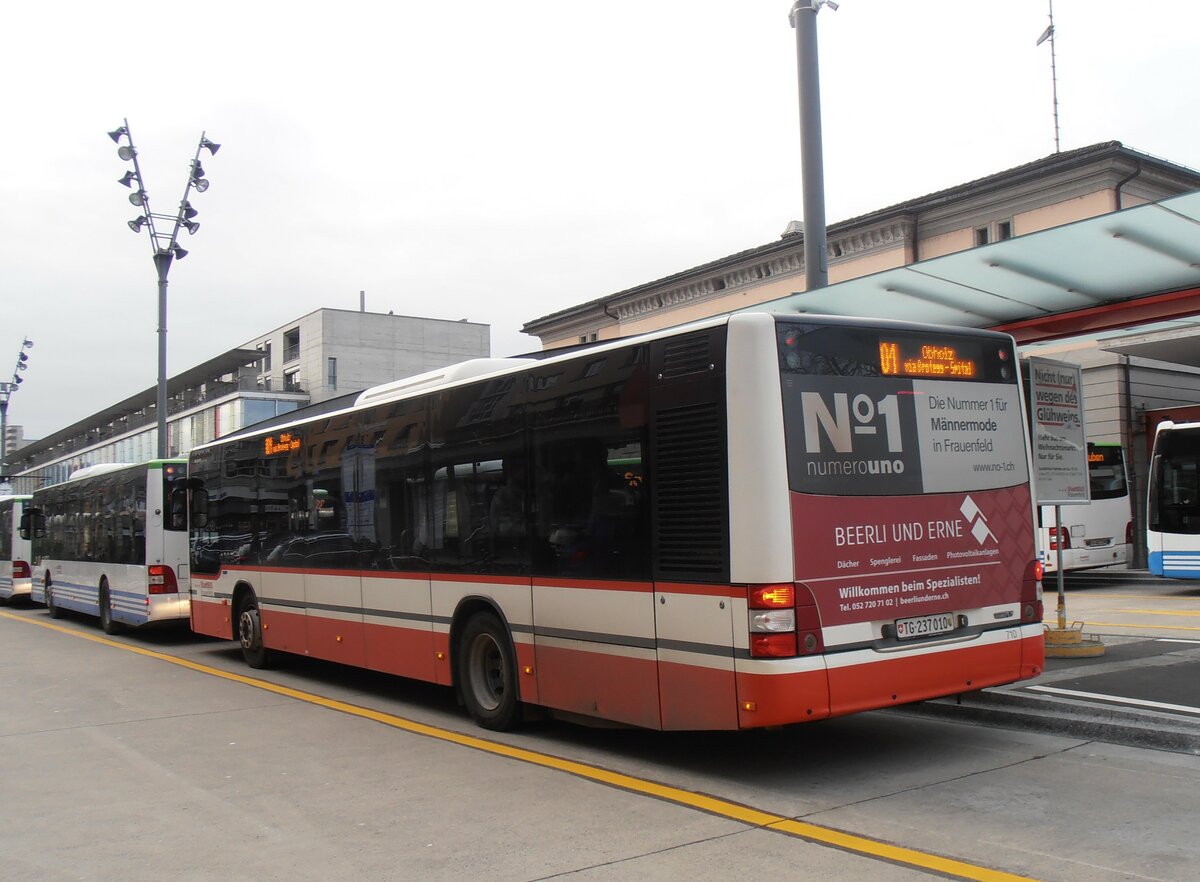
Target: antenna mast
(1048, 34)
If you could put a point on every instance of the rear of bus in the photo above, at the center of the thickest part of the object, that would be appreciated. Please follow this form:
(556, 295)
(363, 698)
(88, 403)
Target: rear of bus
(911, 522)
(1100, 533)
(166, 598)
(15, 552)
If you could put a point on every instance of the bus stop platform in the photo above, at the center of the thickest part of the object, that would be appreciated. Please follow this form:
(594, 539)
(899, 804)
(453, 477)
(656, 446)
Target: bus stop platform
(1143, 691)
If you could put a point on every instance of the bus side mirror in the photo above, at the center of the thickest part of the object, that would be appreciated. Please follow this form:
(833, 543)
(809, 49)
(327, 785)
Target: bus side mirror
(178, 509)
(199, 508)
(33, 524)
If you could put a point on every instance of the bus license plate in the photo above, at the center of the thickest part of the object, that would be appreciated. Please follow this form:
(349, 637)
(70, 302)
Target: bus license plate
(925, 626)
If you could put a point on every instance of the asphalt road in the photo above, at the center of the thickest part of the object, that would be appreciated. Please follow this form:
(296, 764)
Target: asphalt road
(1143, 690)
(160, 756)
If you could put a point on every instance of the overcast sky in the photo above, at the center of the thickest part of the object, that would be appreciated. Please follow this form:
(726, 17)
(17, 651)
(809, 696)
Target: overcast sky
(498, 161)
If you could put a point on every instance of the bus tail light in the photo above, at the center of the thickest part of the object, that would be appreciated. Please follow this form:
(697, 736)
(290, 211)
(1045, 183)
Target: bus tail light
(162, 580)
(783, 621)
(1058, 534)
(20, 569)
(1031, 592)
(772, 620)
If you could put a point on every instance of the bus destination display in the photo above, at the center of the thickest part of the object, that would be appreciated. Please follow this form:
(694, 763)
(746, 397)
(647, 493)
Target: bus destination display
(923, 360)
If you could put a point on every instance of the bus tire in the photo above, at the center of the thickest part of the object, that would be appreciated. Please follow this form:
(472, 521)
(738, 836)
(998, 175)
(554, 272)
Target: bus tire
(51, 607)
(487, 673)
(106, 618)
(250, 634)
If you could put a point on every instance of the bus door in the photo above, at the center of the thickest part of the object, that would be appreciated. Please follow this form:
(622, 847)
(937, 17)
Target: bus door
(329, 549)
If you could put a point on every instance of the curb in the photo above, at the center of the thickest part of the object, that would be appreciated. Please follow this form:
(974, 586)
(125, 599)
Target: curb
(1090, 721)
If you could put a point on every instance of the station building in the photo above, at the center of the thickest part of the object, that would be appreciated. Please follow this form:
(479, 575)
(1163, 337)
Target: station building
(1132, 376)
(1059, 189)
(324, 357)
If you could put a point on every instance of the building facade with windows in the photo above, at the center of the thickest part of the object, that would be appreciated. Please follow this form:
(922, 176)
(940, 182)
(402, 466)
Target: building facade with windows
(1050, 192)
(1122, 384)
(320, 357)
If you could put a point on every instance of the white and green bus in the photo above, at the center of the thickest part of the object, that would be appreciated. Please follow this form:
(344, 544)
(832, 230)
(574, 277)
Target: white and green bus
(14, 550)
(105, 544)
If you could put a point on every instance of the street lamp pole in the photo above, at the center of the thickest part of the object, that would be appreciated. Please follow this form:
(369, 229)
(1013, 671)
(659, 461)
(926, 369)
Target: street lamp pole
(164, 246)
(812, 164)
(6, 391)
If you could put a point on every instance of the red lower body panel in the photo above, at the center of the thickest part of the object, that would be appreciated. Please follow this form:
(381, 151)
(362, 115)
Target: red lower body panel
(609, 686)
(885, 681)
(212, 618)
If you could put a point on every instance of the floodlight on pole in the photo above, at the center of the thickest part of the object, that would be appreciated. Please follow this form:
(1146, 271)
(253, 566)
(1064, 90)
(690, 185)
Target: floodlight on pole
(164, 245)
(7, 388)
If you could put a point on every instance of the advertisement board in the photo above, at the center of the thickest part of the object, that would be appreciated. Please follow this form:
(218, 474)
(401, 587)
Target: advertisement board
(1057, 433)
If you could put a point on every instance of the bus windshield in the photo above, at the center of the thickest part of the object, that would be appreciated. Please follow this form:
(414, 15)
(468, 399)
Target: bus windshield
(1106, 471)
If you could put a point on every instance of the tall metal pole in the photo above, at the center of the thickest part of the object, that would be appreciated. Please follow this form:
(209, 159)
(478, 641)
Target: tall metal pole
(162, 264)
(4, 433)
(164, 246)
(804, 19)
(1054, 80)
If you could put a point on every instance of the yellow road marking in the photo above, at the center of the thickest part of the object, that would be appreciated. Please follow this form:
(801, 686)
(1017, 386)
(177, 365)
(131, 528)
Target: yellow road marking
(1150, 627)
(722, 808)
(1127, 596)
(1158, 612)
(1089, 622)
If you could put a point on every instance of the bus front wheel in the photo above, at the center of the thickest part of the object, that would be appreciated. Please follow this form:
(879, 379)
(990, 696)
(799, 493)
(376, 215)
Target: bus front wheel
(106, 617)
(250, 635)
(51, 607)
(487, 673)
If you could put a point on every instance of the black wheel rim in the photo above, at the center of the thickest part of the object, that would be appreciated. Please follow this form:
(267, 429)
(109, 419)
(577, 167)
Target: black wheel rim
(488, 674)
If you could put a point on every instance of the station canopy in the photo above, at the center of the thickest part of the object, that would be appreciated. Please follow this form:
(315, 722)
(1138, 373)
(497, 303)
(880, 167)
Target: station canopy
(1125, 269)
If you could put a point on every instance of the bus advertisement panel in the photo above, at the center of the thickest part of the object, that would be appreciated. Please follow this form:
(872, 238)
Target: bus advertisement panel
(912, 507)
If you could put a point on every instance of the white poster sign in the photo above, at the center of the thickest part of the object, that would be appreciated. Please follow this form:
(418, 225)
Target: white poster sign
(1059, 438)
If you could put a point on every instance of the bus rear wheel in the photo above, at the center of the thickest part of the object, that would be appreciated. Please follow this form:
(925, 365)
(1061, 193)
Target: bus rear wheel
(250, 636)
(487, 673)
(106, 617)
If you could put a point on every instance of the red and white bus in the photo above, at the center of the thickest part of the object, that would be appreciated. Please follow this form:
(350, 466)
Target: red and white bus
(753, 520)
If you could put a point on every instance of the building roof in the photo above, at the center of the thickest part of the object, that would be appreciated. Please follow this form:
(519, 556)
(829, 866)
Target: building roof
(1037, 169)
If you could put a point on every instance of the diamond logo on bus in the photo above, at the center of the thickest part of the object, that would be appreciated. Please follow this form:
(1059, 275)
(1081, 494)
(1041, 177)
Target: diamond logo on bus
(979, 527)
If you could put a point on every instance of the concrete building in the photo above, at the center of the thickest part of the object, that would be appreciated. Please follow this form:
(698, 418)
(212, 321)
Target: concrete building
(324, 356)
(14, 438)
(1049, 192)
